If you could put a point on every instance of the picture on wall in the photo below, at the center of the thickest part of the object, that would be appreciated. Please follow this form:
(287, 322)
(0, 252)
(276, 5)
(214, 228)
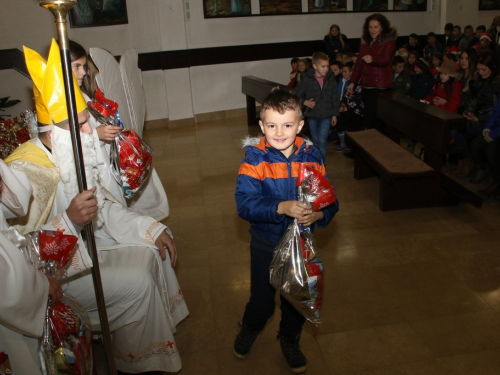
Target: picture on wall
(409, 5)
(226, 8)
(327, 5)
(88, 13)
(370, 5)
(489, 4)
(268, 7)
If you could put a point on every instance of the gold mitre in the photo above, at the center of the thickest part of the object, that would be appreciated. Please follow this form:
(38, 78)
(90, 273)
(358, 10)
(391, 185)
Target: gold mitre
(48, 87)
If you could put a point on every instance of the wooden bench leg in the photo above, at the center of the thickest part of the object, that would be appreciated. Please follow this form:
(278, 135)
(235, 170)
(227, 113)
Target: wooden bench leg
(362, 169)
(408, 193)
(251, 111)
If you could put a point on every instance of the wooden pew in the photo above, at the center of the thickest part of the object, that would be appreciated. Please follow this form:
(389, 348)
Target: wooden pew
(405, 181)
(425, 123)
(256, 89)
(430, 126)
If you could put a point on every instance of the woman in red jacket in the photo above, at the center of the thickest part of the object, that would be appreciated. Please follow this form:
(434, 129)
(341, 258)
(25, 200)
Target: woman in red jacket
(373, 69)
(447, 92)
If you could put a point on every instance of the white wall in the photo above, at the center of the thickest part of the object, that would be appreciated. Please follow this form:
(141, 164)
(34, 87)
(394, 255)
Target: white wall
(160, 25)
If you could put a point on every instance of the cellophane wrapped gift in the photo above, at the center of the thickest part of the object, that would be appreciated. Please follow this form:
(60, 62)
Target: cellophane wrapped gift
(296, 268)
(13, 133)
(131, 158)
(5, 368)
(65, 346)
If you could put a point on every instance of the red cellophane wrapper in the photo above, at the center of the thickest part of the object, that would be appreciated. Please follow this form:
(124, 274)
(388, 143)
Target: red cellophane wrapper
(132, 160)
(5, 368)
(13, 133)
(296, 268)
(130, 157)
(65, 347)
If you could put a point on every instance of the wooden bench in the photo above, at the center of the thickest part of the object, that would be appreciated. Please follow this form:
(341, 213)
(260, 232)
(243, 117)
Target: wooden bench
(256, 89)
(430, 126)
(405, 181)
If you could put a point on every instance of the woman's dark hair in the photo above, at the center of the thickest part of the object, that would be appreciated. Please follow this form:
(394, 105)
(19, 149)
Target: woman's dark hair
(76, 51)
(489, 59)
(384, 22)
(470, 74)
(89, 84)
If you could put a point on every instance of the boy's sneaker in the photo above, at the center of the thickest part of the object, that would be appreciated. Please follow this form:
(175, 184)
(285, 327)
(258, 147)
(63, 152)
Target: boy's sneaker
(244, 341)
(341, 148)
(292, 353)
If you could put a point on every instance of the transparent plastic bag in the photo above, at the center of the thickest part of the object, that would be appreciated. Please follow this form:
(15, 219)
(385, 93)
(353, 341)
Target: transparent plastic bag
(297, 272)
(65, 346)
(132, 160)
(296, 269)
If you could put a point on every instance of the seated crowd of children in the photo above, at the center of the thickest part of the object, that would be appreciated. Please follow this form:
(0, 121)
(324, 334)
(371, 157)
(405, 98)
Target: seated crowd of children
(457, 72)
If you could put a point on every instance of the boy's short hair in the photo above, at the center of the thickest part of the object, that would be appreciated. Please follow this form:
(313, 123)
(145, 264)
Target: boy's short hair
(294, 60)
(317, 56)
(280, 100)
(415, 53)
(481, 27)
(414, 36)
(338, 63)
(448, 26)
(432, 34)
(398, 60)
(349, 65)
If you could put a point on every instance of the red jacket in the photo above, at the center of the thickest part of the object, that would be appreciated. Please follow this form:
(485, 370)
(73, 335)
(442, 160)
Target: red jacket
(378, 73)
(453, 103)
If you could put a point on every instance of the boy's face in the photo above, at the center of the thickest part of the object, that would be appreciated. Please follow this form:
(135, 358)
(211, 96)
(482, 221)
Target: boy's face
(436, 62)
(431, 40)
(346, 73)
(301, 66)
(281, 130)
(479, 33)
(321, 67)
(335, 69)
(456, 32)
(413, 40)
(403, 52)
(294, 65)
(398, 68)
(468, 32)
(412, 59)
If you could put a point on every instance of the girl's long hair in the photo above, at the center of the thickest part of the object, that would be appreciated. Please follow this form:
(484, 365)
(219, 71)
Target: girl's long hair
(448, 86)
(89, 84)
(471, 72)
(341, 38)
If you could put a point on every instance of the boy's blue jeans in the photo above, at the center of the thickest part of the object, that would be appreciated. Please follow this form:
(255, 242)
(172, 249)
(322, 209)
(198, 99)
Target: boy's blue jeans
(320, 128)
(261, 305)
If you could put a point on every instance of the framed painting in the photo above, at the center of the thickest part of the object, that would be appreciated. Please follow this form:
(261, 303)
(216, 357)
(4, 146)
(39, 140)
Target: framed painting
(410, 5)
(89, 13)
(370, 5)
(317, 6)
(489, 4)
(269, 7)
(226, 8)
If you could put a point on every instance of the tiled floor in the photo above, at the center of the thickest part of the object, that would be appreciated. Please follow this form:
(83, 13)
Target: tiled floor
(406, 292)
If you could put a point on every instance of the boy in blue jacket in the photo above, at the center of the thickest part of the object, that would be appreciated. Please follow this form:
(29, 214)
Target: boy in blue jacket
(266, 196)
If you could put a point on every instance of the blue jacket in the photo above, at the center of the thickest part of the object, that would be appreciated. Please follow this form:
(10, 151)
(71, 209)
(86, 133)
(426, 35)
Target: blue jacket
(266, 178)
(493, 122)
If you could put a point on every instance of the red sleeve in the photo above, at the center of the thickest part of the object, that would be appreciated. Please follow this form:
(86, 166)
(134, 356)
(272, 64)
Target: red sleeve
(453, 104)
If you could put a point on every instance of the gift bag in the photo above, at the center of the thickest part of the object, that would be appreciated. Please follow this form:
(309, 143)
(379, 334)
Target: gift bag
(131, 158)
(296, 269)
(65, 346)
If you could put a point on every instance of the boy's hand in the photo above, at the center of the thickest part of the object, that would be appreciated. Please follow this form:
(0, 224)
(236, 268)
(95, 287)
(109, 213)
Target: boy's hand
(300, 211)
(293, 209)
(310, 217)
(350, 89)
(310, 103)
(334, 120)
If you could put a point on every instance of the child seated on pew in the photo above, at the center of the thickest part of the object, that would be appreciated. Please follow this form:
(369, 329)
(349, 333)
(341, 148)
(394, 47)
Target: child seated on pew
(410, 62)
(447, 92)
(401, 79)
(437, 60)
(422, 81)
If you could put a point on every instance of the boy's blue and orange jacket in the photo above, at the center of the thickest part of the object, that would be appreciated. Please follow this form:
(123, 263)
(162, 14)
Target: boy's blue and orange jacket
(266, 178)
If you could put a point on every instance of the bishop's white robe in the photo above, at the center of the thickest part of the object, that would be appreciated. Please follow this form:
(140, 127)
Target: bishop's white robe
(143, 299)
(25, 291)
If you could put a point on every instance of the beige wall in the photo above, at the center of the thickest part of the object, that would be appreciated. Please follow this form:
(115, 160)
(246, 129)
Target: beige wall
(161, 25)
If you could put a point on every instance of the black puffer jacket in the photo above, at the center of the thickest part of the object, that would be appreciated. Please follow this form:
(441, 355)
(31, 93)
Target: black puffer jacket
(326, 98)
(484, 93)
